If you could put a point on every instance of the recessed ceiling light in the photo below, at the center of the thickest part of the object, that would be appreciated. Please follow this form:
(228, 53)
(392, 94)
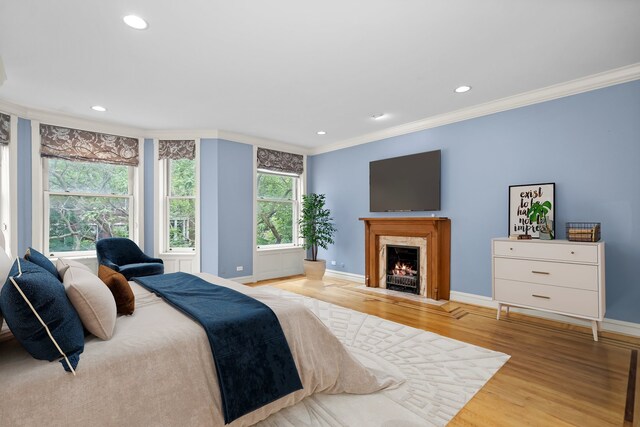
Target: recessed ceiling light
(99, 108)
(462, 89)
(321, 132)
(135, 22)
(378, 116)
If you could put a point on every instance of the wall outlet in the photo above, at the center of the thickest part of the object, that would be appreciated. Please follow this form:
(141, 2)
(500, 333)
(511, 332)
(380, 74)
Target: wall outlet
(239, 268)
(333, 263)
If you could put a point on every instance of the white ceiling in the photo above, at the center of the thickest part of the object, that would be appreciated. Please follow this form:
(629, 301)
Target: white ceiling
(285, 69)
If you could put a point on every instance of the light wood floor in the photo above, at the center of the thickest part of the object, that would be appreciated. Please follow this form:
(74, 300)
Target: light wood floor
(557, 374)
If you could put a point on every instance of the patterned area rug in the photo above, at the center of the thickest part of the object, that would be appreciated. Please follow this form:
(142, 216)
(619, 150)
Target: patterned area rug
(441, 374)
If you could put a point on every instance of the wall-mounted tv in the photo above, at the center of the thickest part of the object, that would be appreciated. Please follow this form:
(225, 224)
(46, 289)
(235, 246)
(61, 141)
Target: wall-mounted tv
(407, 183)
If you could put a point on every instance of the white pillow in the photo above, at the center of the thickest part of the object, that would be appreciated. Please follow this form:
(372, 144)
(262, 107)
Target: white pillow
(62, 264)
(92, 299)
(5, 267)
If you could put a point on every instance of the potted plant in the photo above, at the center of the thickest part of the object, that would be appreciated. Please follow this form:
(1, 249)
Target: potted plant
(538, 213)
(317, 229)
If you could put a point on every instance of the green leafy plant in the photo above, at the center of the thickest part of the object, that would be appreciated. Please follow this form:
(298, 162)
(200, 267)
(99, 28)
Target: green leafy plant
(538, 213)
(316, 224)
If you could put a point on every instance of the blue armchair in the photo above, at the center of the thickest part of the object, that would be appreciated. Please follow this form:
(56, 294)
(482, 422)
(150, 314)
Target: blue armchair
(125, 257)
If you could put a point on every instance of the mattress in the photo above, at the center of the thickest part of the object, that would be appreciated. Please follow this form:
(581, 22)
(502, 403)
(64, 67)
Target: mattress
(158, 370)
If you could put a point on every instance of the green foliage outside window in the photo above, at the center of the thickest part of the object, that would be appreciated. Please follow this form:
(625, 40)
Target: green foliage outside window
(276, 198)
(76, 221)
(182, 203)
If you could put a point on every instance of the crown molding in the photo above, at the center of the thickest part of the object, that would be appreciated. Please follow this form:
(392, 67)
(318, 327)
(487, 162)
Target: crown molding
(68, 120)
(181, 134)
(263, 142)
(61, 119)
(573, 87)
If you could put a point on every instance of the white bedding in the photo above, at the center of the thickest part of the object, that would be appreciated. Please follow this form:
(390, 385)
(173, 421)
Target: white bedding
(158, 370)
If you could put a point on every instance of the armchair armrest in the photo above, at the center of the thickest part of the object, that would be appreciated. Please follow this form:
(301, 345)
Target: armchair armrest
(147, 258)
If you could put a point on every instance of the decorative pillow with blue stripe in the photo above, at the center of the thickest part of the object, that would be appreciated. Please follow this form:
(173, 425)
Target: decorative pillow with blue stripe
(39, 259)
(41, 317)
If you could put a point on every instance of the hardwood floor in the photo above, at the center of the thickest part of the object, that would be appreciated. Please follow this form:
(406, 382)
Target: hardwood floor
(557, 374)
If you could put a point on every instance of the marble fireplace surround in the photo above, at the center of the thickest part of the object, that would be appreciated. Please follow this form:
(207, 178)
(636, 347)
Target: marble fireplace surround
(432, 232)
(420, 242)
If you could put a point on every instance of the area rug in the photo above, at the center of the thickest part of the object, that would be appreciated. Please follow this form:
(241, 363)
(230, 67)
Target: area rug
(441, 374)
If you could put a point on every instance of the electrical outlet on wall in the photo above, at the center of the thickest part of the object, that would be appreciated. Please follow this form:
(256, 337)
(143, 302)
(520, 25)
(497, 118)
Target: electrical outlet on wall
(239, 268)
(333, 263)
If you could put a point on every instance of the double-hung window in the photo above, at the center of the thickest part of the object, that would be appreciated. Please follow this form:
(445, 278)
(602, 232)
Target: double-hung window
(277, 216)
(86, 202)
(278, 193)
(180, 190)
(88, 184)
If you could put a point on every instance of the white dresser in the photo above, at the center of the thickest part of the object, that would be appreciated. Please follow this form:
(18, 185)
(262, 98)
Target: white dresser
(557, 276)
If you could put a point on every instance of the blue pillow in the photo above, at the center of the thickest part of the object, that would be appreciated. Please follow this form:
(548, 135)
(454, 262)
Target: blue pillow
(47, 296)
(39, 259)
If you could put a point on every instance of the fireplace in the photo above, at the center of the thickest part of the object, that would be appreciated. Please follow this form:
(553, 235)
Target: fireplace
(432, 235)
(403, 268)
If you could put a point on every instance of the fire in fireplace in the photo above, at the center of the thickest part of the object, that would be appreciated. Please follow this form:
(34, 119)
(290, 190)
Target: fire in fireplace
(403, 268)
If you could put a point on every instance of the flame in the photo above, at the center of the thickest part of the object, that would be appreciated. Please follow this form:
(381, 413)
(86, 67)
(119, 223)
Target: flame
(402, 269)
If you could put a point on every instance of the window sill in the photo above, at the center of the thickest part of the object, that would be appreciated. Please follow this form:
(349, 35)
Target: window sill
(179, 253)
(280, 249)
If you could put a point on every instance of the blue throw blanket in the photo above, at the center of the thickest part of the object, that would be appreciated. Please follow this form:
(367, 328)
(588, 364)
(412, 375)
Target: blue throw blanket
(251, 354)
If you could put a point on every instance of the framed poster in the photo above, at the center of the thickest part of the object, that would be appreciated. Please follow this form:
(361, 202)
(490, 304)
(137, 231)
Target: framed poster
(532, 207)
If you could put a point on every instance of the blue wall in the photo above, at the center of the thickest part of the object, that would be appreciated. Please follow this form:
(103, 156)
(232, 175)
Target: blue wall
(588, 144)
(24, 185)
(149, 204)
(209, 205)
(235, 208)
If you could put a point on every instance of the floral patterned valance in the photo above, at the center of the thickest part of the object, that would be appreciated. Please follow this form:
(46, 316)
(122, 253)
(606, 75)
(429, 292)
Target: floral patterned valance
(5, 128)
(279, 161)
(176, 149)
(74, 144)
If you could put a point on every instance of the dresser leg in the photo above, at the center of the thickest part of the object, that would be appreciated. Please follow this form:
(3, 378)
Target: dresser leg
(507, 307)
(499, 310)
(594, 329)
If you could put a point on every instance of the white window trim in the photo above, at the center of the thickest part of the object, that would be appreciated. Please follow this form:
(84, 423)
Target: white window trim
(40, 216)
(297, 203)
(281, 253)
(10, 222)
(161, 213)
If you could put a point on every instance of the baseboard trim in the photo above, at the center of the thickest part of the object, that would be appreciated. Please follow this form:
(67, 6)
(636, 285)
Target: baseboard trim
(242, 279)
(359, 278)
(610, 325)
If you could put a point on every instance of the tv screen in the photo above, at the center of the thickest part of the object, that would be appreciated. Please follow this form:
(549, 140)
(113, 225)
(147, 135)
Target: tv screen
(407, 183)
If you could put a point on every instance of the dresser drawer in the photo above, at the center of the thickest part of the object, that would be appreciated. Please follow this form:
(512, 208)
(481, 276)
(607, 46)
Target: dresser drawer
(550, 251)
(566, 300)
(579, 276)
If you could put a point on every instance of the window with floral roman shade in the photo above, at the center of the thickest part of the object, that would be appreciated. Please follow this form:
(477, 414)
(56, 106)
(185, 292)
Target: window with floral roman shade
(177, 149)
(279, 161)
(88, 188)
(180, 190)
(5, 128)
(278, 191)
(81, 145)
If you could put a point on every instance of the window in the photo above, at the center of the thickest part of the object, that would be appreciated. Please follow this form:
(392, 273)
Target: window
(85, 202)
(181, 204)
(277, 209)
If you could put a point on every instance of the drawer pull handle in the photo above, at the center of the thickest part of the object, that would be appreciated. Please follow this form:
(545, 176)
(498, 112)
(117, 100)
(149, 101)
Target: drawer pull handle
(572, 252)
(540, 272)
(540, 296)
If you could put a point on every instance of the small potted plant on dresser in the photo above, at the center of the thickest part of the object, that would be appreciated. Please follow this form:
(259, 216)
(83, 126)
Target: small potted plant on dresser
(538, 213)
(317, 229)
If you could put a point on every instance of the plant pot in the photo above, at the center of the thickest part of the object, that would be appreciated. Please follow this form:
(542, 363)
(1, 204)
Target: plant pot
(546, 230)
(314, 270)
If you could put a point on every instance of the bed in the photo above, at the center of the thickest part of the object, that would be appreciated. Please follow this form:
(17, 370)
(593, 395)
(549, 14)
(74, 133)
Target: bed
(158, 369)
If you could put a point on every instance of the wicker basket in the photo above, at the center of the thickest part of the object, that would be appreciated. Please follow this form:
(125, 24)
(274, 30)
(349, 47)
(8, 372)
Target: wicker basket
(583, 231)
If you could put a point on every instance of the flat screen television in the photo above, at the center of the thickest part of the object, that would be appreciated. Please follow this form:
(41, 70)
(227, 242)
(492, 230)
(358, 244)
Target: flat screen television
(407, 183)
